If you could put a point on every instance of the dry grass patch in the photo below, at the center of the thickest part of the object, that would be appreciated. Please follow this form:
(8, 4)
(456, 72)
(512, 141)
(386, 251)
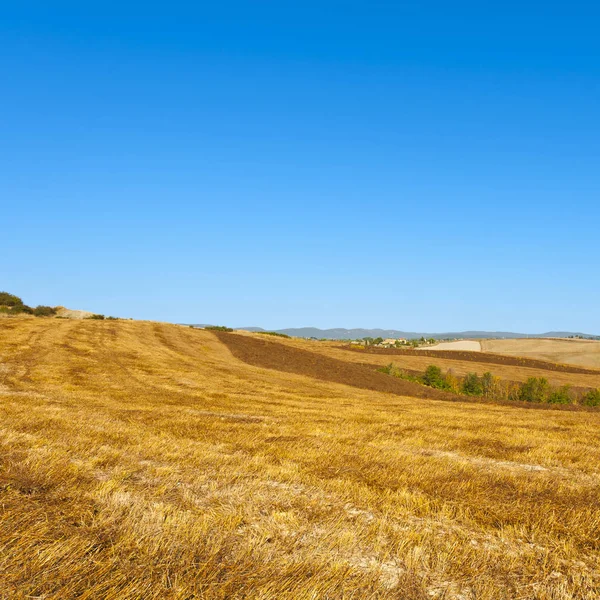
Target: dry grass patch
(142, 460)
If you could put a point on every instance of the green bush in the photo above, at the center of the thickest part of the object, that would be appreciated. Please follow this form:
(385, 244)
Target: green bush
(592, 398)
(433, 377)
(472, 385)
(561, 395)
(218, 328)
(487, 383)
(11, 300)
(96, 317)
(395, 371)
(535, 389)
(16, 310)
(44, 311)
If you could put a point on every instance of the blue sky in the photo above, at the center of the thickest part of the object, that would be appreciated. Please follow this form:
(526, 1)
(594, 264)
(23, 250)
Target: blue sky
(419, 166)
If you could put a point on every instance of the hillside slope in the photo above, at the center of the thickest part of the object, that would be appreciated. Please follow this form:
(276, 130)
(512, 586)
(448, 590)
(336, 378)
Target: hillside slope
(143, 460)
(573, 351)
(341, 333)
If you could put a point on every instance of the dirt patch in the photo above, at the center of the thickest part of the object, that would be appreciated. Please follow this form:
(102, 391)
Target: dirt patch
(273, 355)
(479, 357)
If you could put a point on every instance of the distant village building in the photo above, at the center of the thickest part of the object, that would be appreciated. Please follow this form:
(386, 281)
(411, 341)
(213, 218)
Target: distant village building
(392, 342)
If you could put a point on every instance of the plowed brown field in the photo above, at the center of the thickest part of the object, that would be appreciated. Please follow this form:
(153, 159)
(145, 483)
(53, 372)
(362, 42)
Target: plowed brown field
(480, 357)
(274, 355)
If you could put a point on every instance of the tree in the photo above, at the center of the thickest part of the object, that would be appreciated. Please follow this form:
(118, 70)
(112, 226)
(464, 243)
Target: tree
(433, 377)
(488, 384)
(562, 395)
(452, 381)
(592, 398)
(11, 300)
(535, 389)
(44, 311)
(472, 385)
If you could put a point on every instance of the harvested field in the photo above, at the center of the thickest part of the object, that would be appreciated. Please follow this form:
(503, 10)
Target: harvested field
(273, 355)
(478, 357)
(469, 345)
(585, 353)
(289, 359)
(143, 460)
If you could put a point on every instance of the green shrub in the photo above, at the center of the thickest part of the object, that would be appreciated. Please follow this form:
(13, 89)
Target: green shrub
(487, 383)
(44, 311)
(561, 395)
(11, 300)
(535, 389)
(472, 385)
(433, 377)
(387, 369)
(218, 328)
(395, 371)
(96, 317)
(592, 398)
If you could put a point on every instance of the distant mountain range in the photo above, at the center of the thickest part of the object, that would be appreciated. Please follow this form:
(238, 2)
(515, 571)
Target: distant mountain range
(352, 334)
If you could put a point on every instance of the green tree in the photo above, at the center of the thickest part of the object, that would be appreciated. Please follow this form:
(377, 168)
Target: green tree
(433, 377)
(535, 389)
(472, 385)
(487, 383)
(592, 398)
(561, 395)
(7, 299)
(44, 311)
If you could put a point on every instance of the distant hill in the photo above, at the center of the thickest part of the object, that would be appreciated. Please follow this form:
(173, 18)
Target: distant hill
(351, 334)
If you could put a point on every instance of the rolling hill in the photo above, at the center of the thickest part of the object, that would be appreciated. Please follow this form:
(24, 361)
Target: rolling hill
(149, 460)
(351, 334)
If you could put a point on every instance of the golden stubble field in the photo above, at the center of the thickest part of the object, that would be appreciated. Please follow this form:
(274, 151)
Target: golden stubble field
(141, 460)
(585, 353)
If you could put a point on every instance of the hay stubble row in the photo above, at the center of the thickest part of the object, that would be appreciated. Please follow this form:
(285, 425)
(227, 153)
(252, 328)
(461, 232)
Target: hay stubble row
(144, 460)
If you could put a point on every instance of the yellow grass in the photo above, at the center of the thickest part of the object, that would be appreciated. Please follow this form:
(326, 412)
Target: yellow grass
(141, 460)
(585, 353)
(460, 367)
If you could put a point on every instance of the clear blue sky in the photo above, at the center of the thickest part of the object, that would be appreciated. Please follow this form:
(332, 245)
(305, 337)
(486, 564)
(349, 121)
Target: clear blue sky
(420, 166)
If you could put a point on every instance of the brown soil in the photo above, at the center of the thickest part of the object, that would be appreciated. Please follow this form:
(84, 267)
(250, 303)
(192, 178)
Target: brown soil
(479, 357)
(273, 355)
